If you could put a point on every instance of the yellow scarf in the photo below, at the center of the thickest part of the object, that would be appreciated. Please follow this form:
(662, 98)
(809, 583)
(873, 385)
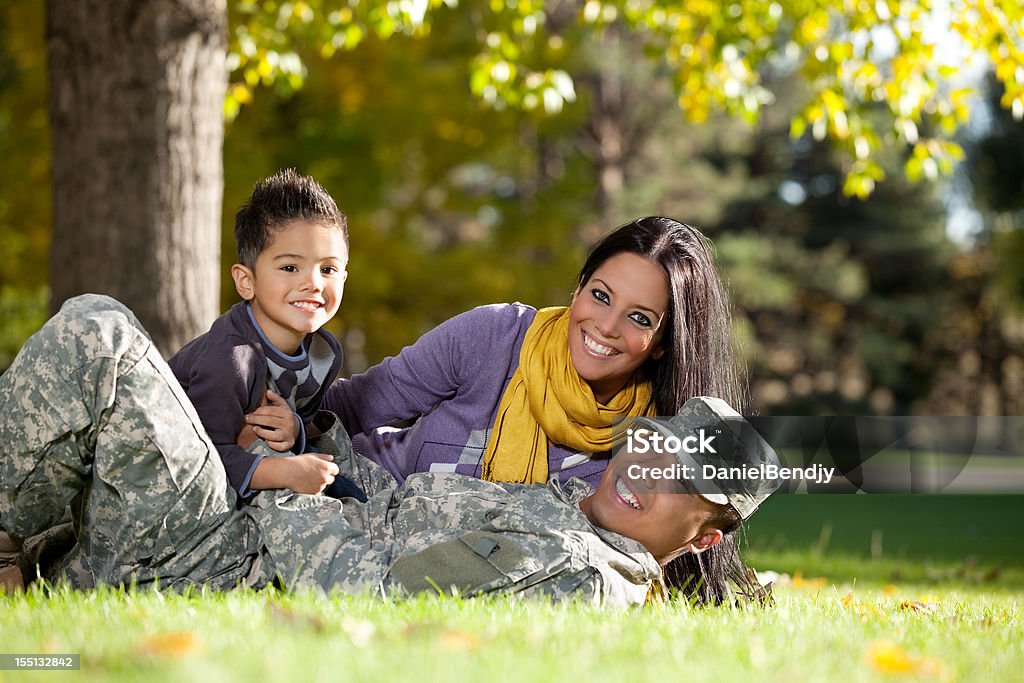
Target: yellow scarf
(547, 399)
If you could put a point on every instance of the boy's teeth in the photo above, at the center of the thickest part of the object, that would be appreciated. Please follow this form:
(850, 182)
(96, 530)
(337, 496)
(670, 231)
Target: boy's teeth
(598, 348)
(626, 494)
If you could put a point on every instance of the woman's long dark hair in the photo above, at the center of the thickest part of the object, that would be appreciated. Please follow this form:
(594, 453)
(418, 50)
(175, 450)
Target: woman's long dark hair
(699, 360)
(718, 575)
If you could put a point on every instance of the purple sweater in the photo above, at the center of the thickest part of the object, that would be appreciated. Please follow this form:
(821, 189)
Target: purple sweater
(451, 381)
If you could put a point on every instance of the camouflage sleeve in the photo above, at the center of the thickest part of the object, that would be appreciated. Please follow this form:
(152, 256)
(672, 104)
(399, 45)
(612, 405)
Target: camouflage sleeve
(366, 474)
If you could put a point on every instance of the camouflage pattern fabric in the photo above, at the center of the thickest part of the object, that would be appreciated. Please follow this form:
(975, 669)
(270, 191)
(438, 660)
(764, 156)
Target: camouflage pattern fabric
(447, 532)
(91, 416)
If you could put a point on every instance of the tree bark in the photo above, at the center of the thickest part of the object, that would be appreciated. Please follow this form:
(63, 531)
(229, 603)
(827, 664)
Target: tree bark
(136, 113)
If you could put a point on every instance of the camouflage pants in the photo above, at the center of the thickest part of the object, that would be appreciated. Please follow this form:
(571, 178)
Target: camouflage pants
(91, 417)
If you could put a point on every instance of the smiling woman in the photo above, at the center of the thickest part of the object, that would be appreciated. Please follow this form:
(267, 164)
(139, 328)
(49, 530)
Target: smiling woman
(510, 393)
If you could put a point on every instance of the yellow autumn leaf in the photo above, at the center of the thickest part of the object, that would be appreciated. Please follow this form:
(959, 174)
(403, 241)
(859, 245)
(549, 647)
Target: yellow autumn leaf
(800, 582)
(862, 609)
(177, 644)
(458, 640)
(241, 93)
(891, 658)
(264, 68)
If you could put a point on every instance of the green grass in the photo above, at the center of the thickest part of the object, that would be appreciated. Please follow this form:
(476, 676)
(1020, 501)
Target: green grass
(810, 635)
(937, 527)
(938, 598)
(936, 539)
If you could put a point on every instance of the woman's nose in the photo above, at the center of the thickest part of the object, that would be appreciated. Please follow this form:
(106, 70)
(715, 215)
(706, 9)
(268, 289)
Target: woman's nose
(607, 324)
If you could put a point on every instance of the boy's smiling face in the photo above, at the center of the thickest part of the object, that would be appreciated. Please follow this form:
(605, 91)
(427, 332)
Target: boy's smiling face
(297, 284)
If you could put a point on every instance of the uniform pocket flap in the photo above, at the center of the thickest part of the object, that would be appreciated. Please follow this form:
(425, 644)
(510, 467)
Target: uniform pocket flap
(478, 562)
(502, 553)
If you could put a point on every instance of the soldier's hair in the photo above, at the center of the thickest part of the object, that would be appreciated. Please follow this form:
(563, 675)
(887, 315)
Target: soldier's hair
(717, 574)
(277, 201)
(699, 357)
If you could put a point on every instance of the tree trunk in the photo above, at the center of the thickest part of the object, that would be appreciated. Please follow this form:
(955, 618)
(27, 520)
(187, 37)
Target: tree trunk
(136, 112)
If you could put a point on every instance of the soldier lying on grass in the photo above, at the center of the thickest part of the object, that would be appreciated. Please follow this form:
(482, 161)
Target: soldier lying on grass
(92, 417)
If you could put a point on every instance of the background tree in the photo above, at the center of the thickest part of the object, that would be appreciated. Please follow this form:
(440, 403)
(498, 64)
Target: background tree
(136, 100)
(984, 334)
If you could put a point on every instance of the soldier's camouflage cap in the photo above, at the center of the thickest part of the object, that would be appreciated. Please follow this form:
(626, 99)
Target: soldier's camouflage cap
(738, 450)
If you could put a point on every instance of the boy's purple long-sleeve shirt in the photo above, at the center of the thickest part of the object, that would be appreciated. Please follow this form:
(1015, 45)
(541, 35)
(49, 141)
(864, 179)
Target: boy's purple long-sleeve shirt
(226, 372)
(451, 381)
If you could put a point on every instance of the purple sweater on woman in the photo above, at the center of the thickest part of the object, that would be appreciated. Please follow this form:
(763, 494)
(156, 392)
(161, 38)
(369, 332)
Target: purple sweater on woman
(451, 381)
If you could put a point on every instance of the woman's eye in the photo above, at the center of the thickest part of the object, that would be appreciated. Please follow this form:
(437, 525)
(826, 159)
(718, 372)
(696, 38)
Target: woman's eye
(600, 295)
(641, 319)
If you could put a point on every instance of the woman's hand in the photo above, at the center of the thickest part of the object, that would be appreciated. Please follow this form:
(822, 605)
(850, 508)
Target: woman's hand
(274, 422)
(309, 473)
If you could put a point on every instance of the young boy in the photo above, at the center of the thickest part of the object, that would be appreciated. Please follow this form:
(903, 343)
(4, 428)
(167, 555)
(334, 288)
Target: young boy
(268, 354)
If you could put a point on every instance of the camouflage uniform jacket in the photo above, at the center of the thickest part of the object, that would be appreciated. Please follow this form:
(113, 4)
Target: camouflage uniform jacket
(451, 533)
(92, 417)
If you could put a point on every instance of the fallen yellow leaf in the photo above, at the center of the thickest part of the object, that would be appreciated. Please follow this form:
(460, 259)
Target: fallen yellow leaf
(458, 640)
(800, 582)
(170, 644)
(862, 609)
(891, 658)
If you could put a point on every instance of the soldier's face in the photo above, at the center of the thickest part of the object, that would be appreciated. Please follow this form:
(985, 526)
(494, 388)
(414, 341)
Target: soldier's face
(660, 515)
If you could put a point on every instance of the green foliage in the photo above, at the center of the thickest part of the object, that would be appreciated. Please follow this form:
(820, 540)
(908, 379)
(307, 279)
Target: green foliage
(24, 177)
(995, 170)
(857, 58)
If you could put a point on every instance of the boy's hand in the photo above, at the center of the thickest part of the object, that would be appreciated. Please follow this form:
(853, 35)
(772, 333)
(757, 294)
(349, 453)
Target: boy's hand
(309, 473)
(274, 422)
